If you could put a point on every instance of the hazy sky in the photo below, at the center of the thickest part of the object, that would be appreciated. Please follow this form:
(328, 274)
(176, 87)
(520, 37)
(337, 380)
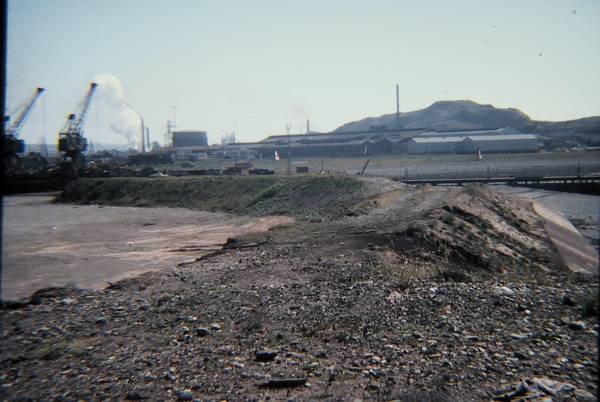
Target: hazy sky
(254, 66)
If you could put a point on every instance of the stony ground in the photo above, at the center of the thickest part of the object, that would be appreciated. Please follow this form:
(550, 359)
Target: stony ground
(338, 310)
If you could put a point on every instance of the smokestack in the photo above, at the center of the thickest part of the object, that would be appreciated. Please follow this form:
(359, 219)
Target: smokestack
(307, 126)
(143, 144)
(148, 139)
(397, 106)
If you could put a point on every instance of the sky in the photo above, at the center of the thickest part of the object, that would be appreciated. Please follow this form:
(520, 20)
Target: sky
(253, 67)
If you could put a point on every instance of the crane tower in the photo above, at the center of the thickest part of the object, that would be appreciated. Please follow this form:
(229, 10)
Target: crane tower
(70, 139)
(13, 146)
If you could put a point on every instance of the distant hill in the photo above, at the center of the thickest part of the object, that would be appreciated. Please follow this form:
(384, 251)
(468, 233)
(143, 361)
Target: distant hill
(469, 115)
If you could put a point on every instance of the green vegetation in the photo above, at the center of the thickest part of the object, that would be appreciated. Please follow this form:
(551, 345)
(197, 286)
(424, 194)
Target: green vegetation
(56, 350)
(307, 196)
(453, 275)
(590, 304)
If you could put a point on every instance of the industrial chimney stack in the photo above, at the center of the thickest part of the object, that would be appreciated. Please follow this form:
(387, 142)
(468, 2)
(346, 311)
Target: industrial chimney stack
(143, 143)
(397, 107)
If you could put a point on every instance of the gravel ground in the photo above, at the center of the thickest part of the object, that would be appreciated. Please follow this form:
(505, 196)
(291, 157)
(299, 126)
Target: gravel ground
(322, 313)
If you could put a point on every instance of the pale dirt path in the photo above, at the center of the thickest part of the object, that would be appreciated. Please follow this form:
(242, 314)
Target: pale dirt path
(47, 244)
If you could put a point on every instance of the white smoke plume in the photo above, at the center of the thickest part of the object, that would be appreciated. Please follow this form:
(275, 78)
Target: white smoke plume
(299, 116)
(123, 119)
(298, 111)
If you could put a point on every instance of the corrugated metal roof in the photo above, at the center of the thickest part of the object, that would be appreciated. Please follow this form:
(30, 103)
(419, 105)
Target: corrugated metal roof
(381, 133)
(470, 133)
(431, 140)
(507, 137)
(499, 137)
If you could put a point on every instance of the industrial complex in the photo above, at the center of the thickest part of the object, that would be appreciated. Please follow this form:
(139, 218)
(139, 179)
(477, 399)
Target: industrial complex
(365, 143)
(76, 157)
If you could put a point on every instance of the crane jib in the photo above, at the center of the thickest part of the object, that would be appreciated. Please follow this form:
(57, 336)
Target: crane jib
(76, 121)
(15, 128)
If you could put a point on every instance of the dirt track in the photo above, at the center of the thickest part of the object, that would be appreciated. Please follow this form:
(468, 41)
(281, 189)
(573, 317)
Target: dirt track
(47, 244)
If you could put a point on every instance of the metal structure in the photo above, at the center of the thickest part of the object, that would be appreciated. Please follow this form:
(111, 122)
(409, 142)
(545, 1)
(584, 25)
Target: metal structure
(13, 146)
(169, 134)
(397, 106)
(589, 184)
(189, 139)
(70, 139)
(289, 151)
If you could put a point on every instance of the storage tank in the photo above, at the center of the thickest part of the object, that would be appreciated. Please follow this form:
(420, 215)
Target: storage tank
(183, 139)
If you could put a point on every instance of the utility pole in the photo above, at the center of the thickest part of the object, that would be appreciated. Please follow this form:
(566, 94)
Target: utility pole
(397, 107)
(174, 109)
(169, 134)
(171, 127)
(44, 147)
(289, 156)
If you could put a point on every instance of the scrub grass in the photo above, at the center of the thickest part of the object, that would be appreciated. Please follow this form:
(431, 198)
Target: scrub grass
(300, 196)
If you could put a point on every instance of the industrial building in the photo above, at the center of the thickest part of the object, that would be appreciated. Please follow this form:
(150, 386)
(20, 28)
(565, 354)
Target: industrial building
(382, 142)
(465, 133)
(357, 143)
(487, 141)
(190, 144)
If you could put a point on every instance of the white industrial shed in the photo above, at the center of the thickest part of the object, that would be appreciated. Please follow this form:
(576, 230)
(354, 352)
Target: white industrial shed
(500, 143)
(466, 133)
(434, 145)
(488, 143)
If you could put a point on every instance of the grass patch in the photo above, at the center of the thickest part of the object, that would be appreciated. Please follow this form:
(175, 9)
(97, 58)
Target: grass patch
(253, 324)
(294, 195)
(589, 304)
(57, 350)
(342, 337)
(453, 275)
(403, 276)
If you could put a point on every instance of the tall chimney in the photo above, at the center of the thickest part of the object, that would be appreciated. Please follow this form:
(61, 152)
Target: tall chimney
(307, 126)
(397, 107)
(148, 139)
(143, 149)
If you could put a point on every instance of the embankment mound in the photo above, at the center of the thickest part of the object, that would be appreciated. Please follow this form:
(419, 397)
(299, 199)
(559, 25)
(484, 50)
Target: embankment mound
(482, 227)
(300, 196)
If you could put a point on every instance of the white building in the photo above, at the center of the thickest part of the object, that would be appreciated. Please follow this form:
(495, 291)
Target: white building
(487, 141)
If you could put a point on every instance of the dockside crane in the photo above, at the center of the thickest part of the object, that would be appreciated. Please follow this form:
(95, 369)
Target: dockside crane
(71, 141)
(13, 146)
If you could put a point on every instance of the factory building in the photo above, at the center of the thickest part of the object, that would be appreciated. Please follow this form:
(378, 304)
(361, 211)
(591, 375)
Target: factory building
(487, 141)
(434, 145)
(190, 144)
(356, 143)
(465, 133)
(382, 142)
(501, 143)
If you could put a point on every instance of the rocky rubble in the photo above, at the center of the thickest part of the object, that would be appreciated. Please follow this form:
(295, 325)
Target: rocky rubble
(324, 318)
(221, 330)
